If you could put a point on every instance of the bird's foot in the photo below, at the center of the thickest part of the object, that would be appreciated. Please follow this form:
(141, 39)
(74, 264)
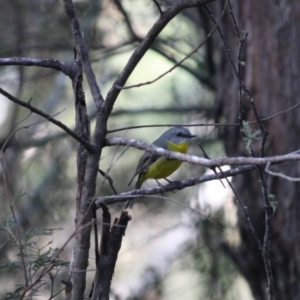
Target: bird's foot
(170, 181)
(162, 186)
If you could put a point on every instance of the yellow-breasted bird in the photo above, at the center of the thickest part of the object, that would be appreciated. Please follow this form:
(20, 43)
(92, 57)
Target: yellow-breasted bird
(154, 166)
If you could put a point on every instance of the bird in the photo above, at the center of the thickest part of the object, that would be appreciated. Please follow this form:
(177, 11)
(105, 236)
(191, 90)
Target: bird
(156, 167)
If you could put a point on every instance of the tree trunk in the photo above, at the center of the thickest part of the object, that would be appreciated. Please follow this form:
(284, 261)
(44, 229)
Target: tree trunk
(271, 72)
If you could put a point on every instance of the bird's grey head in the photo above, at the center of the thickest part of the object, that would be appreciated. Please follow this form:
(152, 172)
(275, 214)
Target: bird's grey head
(177, 135)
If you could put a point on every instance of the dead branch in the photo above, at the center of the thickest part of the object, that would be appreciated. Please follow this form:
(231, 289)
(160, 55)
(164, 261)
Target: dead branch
(192, 159)
(37, 111)
(83, 53)
(66, 68)
(108, 258)
(175, 185)
(182, 60)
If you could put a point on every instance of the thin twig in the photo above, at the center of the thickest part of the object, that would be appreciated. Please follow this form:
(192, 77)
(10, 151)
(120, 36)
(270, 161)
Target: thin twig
(52, 261)
(265, 249)
(197, 124)
(170, 125)
(22, 255)
(105, 175)
(181, 61)
(9, 196)
(82, 51)
(121, 8)
(240, 65)
(36, 143)
(226, 48)
(158, 6)
(158, 47)
(213, 169)
(281, 175)
(7, 140)
(163, 110)
(109, 179)
(35, 110)
(143, 47)
(234, 20)
(243, 207)
(61, 290)
(246, 214)
(187, 207)
(278, 113)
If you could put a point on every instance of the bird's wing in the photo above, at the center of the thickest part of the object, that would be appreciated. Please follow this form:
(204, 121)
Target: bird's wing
(146, 160)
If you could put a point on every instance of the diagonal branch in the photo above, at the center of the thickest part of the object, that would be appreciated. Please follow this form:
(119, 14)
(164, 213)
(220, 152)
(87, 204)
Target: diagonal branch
(66, 68)
(139, 52)
(83, 53)
(207, 80)
(35, 110)
(121, 8)
(158, 6)
(182, 60)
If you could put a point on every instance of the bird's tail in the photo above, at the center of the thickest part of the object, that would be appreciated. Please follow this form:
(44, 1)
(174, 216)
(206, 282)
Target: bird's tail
(130, 203)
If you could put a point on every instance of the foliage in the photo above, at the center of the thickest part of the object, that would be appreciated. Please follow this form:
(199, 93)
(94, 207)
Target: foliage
(250, 136)
(36, 257)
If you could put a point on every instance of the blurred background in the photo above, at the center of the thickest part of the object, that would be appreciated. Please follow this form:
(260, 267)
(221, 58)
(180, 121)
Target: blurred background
(169, 252)
(171, 247)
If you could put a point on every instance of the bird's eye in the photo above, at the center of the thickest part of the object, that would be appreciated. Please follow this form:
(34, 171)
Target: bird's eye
(179, 134)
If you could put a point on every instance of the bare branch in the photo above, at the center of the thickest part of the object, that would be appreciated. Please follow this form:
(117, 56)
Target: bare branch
(186, 207)
(158, 6)
(185, 109)
(169, 125)
(35, 110)
(246, 214)
(110, 181)
(119, 4)
(66, 68)
(175, 185)
(213, 169)
(204, 78)
(279, 113)
(192, 159)
(83, 53)
(226, 48)
(181, 61)
(281, 175)
(139, 52)
(164, 110)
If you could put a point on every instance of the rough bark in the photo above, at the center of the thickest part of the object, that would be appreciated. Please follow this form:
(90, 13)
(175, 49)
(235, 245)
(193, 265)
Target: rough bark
(272, 74)
(111, 241)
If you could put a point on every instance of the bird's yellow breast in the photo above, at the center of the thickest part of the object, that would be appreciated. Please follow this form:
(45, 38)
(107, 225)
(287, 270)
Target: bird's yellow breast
(182, 147)
(164, 167)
